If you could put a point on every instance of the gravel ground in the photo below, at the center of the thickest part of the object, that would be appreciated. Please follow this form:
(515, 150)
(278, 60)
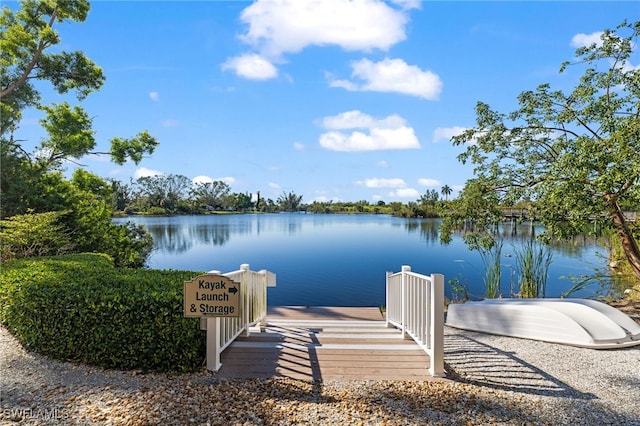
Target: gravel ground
(492, 380)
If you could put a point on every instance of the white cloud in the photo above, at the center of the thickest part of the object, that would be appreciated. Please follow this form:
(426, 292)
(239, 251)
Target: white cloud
(358, 120)
(383, 183)
(276, 27)
(344, 84)
(584, 40)
(274, 185)
(371, 134)
(154, 96)
(392, 75)
(201, 180)
(382, 163)
(207, 179)
(251, 66)
(405, 193)
(279, 27)
(376, 140)
(429, 182)
(324, 196)
(298, 146)
(446, 133)
(144, 172)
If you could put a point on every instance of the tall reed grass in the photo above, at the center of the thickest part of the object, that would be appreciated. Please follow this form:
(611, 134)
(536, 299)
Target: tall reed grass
(491, 259)
(532, 262)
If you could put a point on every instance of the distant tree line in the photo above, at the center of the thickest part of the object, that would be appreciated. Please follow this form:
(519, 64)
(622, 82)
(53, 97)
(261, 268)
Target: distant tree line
(177, 194)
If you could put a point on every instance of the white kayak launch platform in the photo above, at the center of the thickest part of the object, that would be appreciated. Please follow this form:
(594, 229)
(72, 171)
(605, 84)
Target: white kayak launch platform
(576, 322)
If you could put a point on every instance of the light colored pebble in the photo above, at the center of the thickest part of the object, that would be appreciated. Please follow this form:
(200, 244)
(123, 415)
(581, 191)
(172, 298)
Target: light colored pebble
(493, 381)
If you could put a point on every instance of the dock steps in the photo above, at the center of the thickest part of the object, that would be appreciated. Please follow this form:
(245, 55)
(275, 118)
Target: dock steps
(319, 348)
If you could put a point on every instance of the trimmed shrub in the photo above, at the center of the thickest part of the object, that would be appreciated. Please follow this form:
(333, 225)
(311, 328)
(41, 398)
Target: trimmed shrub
(81, 308)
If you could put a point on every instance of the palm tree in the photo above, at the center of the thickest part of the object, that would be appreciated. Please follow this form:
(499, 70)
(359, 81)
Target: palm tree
(289, 202)
(446, 191)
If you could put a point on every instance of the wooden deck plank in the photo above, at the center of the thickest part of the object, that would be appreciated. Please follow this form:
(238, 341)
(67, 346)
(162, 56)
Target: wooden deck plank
(324, 312)
(324, 343)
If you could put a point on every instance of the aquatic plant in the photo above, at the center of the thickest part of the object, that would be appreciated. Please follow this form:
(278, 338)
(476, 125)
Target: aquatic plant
(491, 259)
(532, 261)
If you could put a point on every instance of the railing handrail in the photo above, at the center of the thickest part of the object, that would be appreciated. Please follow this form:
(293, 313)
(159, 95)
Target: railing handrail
(222, 331)
(415, 305)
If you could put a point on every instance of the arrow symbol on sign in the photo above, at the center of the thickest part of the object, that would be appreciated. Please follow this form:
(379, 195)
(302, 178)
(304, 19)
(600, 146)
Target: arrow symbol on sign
(233, 290)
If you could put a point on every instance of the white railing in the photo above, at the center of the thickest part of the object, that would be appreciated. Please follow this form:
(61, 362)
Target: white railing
(415, 305)
(222, 331)
(632, 216)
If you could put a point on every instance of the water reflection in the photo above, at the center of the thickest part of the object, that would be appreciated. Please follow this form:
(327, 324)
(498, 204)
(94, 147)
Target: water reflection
(175, 235)
(170, 238)
(429, 230)
(176, 239)
(516, 235)
(341, 260)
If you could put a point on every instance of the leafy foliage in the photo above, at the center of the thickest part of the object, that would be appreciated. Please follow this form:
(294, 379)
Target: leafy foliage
(211, 195)
(28, 43)
(128, 244)
(33, 182)
(25, 38)
(81, 308)
(34, 235)
(574, 155)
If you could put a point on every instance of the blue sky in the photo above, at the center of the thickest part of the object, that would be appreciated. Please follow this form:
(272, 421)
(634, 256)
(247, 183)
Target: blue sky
(332, 100)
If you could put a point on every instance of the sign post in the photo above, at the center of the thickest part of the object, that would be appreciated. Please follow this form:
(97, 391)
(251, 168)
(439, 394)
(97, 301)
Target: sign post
(212, 296)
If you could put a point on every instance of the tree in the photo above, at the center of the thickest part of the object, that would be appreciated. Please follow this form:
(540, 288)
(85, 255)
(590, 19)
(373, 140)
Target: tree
(446, 191)
(25, 37)
(210, 194)
(17, 177)
(289, 202)
(164, 191)
(574, 154)
(429, 198)
(28, 55)
(121, 195)
(33, 183)
(238, 202)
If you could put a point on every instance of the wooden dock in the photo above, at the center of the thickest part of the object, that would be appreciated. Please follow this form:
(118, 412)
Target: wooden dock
(325, 343)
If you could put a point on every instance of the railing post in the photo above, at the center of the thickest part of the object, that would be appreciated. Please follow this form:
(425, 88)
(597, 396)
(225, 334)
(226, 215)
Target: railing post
(403, 298)
(386, 300)
(436, 310)
(244, 295)
(213, 344)
(263, 298)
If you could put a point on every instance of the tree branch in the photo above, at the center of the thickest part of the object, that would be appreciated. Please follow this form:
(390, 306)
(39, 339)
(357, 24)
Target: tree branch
(36, 57)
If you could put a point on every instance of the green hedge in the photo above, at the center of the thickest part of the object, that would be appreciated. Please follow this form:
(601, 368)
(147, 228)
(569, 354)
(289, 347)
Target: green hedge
(82, 308)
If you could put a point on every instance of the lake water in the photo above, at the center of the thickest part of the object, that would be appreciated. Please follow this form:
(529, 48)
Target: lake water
(342, 260)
